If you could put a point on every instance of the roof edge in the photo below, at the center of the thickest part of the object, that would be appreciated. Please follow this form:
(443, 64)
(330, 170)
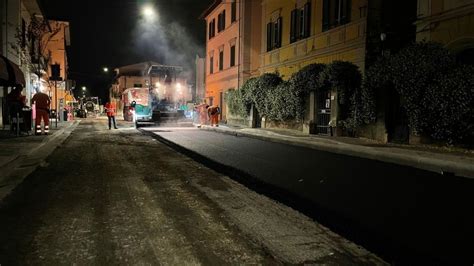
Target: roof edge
(209, 9)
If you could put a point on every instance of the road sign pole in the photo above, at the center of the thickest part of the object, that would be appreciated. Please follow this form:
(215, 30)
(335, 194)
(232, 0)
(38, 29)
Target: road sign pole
(56, 100)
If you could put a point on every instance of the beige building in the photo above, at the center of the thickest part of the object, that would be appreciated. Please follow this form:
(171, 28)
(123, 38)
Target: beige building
(450, 22)
(232, 47)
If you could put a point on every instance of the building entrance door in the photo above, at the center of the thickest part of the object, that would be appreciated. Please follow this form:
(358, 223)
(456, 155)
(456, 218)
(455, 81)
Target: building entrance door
(323, 116)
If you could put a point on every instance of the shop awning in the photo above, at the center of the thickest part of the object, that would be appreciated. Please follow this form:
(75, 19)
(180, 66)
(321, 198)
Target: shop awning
(10, 73)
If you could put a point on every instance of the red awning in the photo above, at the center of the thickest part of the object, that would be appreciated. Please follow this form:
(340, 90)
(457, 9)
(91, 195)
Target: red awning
(10, 73)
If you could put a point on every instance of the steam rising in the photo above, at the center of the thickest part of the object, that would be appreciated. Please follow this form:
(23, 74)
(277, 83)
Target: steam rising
(169, 43)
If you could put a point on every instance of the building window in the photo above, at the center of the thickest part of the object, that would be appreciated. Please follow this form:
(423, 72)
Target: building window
(300, 23)
(232, 56)
(221, 21)
(212, 28)
(274, 30)
(336, 13)
(233, 13)
(211, 65)
(221, 60)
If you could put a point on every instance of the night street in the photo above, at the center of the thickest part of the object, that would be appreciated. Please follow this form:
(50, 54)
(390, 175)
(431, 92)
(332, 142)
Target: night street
(120, 197)
(237, 132)
(397, 210)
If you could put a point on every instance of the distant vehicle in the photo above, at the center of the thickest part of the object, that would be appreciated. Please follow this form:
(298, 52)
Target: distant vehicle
(138, 102)
(81, 113)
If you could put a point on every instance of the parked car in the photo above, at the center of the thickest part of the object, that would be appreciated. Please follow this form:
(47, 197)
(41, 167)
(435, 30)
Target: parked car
(81, 113)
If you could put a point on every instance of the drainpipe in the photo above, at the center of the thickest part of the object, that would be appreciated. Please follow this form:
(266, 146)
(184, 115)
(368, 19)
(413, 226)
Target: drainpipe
(240, 42)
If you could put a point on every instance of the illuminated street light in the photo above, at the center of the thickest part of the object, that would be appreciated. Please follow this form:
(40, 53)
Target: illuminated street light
(106, 69)
(84, 88)
(149, 12)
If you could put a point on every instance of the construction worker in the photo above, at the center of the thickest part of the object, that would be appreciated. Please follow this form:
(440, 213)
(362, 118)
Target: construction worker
(213, 112)
(110, 109)
(42, 102)
(201, 110)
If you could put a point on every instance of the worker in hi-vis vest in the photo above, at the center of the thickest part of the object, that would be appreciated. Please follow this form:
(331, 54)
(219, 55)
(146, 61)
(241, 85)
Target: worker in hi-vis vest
(42, 102)
(110, 110)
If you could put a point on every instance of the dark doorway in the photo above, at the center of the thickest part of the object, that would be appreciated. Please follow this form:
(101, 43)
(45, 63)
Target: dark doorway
(323, 105)
(396, 119)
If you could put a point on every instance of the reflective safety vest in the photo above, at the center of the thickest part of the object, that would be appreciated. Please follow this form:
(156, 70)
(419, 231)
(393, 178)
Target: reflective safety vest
(110, 109)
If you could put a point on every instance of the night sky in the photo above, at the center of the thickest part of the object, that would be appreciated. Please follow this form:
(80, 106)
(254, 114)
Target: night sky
(111, 33)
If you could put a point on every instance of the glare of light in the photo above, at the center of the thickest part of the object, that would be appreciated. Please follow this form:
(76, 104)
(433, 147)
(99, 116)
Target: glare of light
(106, 69)
(178, 85)
(149, 12)
(84, 88)
(157, 84)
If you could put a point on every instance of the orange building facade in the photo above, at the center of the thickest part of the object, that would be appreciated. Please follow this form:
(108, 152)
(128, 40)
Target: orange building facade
(232, 47)
(56, 52)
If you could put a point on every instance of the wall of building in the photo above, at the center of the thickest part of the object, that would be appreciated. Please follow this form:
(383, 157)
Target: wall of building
(244, 34)
(200, 66)
(56, 48)
(346, 42)
(450, 22)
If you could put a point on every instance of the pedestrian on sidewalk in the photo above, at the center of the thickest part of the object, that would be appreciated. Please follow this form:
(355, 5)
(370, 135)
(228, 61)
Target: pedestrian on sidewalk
(214, 112)
(110, 109)
(15, 102)
(42, 102)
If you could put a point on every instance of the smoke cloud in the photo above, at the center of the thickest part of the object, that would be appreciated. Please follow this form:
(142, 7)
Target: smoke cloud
(168, 42)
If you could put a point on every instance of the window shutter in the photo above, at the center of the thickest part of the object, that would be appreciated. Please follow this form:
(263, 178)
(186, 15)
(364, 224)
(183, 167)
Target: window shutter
(345, 11)
(326, 15)
(279, 26)
(234, 11)
(293, 28)
(213, 27)
(269, 36)
(223, 19)
(219, 22)
(307, 19)
(210, 30)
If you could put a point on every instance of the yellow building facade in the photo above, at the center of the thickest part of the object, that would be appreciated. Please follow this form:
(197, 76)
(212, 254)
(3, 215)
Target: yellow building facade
(343, 40)
(450, 22)
(297, 33)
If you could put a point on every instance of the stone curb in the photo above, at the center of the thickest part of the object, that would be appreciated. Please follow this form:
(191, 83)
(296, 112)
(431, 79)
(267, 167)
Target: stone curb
(430, 164)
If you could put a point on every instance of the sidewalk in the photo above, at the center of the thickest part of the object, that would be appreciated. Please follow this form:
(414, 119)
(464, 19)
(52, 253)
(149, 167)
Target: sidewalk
(441, 160)
(20, 156)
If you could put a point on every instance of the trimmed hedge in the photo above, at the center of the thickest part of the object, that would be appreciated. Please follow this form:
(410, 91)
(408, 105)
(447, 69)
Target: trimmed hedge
(449, 103)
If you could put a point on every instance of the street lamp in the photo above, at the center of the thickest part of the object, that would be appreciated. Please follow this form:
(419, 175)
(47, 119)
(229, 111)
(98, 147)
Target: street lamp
(148, 12)
(106, 69)
(84, 88)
